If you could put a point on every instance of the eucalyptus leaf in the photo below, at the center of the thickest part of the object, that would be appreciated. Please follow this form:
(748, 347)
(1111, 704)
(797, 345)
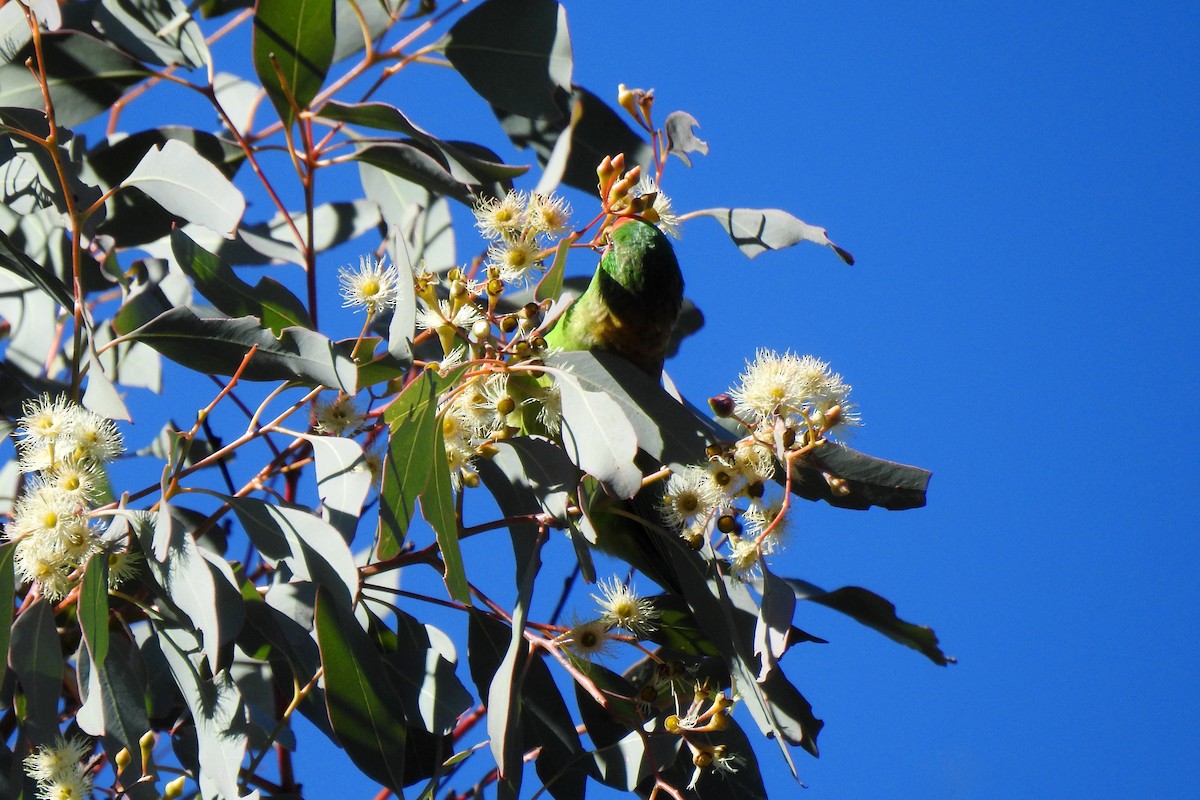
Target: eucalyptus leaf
(150, 31)
(343, 481)
(8, 590)
(681, 136)
(174, 560)
(219, 346)
(269, 301)
(772, 631)
(875, 612)
(756, 230)
(364, 708)
(515, 53)
(85, 77)
(133, 218)
(14, 260)
(414, 435)
(293, 48)
(599, 131)
(35, 656)
(217, 712)
(437, 506)
(186, 184)
(312, 548)
(598, 437)
(114, 692)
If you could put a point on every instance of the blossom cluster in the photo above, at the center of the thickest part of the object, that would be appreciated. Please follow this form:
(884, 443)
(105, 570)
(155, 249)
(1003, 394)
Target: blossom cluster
(62, 448)
(59, 770)
(785, 402)
(519, 227)
(620, 606)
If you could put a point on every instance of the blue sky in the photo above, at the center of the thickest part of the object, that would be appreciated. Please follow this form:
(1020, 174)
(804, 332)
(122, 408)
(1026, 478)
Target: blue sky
(1020, 184)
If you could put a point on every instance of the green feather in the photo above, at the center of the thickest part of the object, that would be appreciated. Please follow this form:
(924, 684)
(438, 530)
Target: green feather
(631, 305)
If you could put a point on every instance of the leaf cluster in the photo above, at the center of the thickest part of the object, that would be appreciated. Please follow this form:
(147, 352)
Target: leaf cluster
(263, 593)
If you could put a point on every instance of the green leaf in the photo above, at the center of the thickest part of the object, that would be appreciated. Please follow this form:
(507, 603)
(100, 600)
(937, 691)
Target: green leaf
(875, 612)
(600, 131)
(313, 549)
(422, 665)
(437, 505)
(465, 161)
(551, 284)
(756, 230)
(772, 632)
(219, 345)
(13, 259)
(114, 702)
(85, 76)
(515, 53)
(626, 764)
(270, 301)
(598, 436)
(677, 628)
(297, 36)
(93, 607)
(413, 424)
(8, 590)
(35, 656)
(607, 726)
(869, 481)
(148, 29)
(377, 14)
(408, 161)
(174, 560)
(134, 218)
(343, 481)
(187, 184)
(364, 708)
(217, 711)
(681, 139)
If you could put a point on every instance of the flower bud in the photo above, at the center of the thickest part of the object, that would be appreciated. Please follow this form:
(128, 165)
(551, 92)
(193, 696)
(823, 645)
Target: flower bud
(174, 789)
(722, 405)
(627, 101)
(727, 523)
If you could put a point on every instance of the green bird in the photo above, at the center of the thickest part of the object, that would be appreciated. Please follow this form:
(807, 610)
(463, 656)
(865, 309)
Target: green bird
(631, 305)
(630, 309)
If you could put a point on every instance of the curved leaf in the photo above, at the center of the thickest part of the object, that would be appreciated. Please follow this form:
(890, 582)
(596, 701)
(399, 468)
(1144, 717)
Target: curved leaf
(136, 219)
(312, 548)
(598, 437)
(85, 76)
(114, 694)
(148, 29)
(412, 420)
(217, 711)
(174, 559)
(599, 131)
(364, 708)
(875, 612)
(190, 186)
(13, 259)
(35, 656)
(515, 53)
(219, 345)
(756, 230)
(293, 48)
(343, 481)
(867, 480)
(270, 301)
(681, 138)
(93, 607)
(8, 590)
